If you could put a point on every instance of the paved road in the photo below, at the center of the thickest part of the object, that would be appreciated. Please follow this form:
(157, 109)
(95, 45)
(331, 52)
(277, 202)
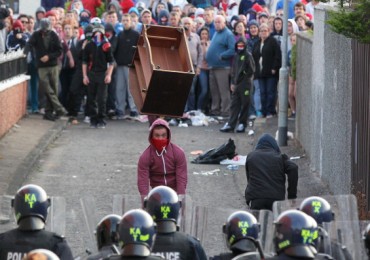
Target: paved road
(101, 163)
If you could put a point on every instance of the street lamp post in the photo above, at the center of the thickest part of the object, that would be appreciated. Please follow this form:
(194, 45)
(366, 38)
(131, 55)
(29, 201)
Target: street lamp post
(283, 83)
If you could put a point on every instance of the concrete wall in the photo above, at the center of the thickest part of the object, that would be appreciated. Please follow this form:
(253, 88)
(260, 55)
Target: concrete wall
(13, 97)
(325, 102)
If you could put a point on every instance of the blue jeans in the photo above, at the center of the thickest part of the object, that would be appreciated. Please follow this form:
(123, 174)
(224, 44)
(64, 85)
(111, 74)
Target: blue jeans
(257, 95)
(268, 95)
(203, 83)
(190, 103)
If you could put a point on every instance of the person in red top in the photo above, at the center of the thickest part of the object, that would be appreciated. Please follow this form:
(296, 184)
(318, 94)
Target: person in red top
(91, 5)
(162, 163)
(126, 5)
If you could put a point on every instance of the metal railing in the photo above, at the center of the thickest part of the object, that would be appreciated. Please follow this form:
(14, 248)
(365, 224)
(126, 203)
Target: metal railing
(361, 121)
(12, 64)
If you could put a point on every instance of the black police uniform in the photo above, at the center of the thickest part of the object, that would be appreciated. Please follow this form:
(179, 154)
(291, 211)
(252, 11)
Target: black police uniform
(286, 257)
(178, 245)
(14, 244)
(230, 256)
(118, 257)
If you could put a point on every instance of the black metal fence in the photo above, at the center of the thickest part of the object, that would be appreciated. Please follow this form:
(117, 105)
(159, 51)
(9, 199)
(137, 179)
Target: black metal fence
(361, 122)
(12, 64)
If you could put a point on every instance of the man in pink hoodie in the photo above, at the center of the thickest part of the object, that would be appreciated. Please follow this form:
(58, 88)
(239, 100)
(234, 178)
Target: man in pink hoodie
(162, 163)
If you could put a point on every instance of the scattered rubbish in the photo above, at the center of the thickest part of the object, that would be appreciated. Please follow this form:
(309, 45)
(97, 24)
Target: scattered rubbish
(196, 152)
(74, 176)
(181, 124)
(216, 155)
(237, 160)
(233, 167)
(250, 132)
(289, 134)
(297, 157)
(206, 173)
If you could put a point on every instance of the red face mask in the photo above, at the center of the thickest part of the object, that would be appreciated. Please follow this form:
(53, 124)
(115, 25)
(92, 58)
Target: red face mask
(159, 144)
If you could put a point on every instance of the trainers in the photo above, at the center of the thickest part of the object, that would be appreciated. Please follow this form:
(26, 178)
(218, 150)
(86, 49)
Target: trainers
(269, 116)
(134, 114)
(49, 117)
(87, 120)
(259, 114)
(252, 117)
(226, 128)
(42, 111)
(101, 125)
(292, 116)
(93, 125)
(240, 128)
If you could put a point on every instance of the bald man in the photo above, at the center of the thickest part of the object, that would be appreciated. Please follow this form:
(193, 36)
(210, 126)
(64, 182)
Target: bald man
(218, 57)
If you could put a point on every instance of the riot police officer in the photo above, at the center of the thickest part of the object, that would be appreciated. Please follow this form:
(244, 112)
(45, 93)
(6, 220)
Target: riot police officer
(106, 237)
(31, 209)
(41, 254)
(163, 205)
(320, 210)
(241, 233)
(296, 236)
(136, 235)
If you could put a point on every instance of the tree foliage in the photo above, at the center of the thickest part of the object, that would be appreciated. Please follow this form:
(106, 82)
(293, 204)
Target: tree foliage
(354, 22)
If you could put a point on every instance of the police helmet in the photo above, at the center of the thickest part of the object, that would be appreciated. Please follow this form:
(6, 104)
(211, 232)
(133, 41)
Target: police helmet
(366, 238)
(296, 234)
(318, 208)
(107, 231)
(31, 201)
(163, 204)
(240, 230)
(41, 254)
(136, 233)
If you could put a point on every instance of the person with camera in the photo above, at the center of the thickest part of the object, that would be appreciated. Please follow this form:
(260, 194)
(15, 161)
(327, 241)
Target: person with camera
(17, 38)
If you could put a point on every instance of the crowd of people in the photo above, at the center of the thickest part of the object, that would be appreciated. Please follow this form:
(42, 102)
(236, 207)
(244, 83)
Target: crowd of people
(61, 39)
(151, 232)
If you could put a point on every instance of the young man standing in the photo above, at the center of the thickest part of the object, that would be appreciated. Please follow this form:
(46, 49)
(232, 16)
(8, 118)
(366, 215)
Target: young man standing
(97, 68)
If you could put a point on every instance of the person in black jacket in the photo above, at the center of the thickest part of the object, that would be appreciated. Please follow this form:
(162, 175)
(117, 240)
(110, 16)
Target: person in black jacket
(31, 210)
(97, 67)
(267, 57)
(241, 87)
(127, 42)
(163, 205)
(48, 48)
(266, 168)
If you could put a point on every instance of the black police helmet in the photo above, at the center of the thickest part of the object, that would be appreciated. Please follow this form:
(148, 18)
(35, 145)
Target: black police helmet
(136, 232)
(31, 201)
(366, 238)
(318, 208)
(163, 204)
(241, 227)
(41, 254)
(107, 231)
(296, 234)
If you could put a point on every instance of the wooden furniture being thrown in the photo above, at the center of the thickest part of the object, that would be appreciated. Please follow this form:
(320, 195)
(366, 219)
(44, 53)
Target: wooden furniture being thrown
(162, 71)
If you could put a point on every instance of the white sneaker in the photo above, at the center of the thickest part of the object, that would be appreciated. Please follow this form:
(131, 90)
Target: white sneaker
(87, 120)
(42, 111)
(240, 128)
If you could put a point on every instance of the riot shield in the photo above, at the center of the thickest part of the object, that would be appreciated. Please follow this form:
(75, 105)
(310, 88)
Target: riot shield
(88, 205)
(343, 206)
(207, 224)
(123, 203)
(346, 240)
(7, 219)
(55, 221)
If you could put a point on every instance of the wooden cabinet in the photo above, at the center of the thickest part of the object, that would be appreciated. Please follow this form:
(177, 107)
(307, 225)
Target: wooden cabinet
(162, 71)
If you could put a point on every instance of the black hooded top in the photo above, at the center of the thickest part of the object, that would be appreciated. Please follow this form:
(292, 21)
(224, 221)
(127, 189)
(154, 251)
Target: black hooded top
(266, 169)
(243, 66)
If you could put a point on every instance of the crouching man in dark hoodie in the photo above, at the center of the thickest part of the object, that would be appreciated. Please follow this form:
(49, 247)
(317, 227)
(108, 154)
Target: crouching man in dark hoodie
(267, 169)
(241, 87)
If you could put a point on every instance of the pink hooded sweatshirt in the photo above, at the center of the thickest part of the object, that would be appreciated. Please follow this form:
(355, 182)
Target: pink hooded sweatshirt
(168, 168)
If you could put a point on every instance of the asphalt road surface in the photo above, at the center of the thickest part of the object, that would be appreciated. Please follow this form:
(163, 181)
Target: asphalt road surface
(100, 164)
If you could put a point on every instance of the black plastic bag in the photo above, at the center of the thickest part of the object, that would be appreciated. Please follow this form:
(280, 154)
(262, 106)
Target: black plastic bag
(216, 155)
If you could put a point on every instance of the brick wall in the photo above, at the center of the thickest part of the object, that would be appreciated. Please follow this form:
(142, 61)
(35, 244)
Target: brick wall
(12, 104)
